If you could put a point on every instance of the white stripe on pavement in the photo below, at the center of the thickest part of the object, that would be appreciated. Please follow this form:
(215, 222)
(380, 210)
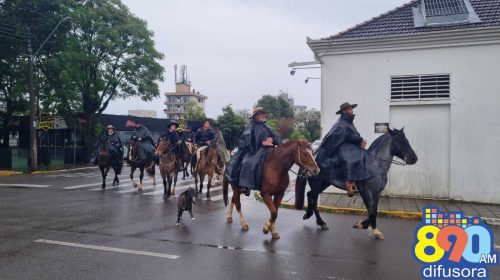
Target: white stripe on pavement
(180, 187)
(109, 249)
(135, 189)
(90, 185)
(220, 196)
(25, 185)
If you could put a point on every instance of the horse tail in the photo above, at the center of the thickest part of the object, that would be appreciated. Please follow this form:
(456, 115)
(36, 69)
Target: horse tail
(300, 189)
(225, 187)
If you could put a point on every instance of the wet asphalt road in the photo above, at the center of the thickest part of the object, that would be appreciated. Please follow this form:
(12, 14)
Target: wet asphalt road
(57, 208)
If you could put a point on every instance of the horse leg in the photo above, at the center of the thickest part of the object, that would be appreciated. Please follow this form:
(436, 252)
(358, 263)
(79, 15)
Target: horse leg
(277, 202)
(132, 170)
(229, 213)
(368, 201)
(312, 198)
(169, 190)
(115, 180)
(374, 231)
(175, 183)
(164, 186)
(209, 185)
(268, 200)
(237, 203)
(141, 176)
(202, 178)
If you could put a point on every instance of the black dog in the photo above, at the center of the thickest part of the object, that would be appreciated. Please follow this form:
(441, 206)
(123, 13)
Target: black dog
(185, 202)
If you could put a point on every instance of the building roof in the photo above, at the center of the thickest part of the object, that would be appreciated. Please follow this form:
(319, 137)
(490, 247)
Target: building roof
(196, 94)
(399, 21)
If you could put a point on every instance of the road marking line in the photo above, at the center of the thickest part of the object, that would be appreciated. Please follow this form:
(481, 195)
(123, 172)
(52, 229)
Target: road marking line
(25, 185)
(176, 189)
(107, 188)
(135, 189)
(220, 197)
(90, 185)
(110, 249)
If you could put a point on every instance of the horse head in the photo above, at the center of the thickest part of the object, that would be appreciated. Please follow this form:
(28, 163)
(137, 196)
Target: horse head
(304, 158)
(134, 149)
(104, 148)
(212, 152)
(401, 147)
(163, 147)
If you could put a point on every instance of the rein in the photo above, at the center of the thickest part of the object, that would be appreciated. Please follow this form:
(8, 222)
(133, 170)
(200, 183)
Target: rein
(386, 160)
(299, 174)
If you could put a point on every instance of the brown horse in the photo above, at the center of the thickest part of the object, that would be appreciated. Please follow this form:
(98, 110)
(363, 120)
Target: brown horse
(168, 166)
(138, 158)
(206, 165)
(104, 163)
(275, 180)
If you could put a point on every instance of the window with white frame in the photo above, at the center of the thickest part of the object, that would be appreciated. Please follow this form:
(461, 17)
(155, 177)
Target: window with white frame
(420, 87)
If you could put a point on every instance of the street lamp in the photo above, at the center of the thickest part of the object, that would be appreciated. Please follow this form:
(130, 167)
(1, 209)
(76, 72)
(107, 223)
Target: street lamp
(32, 97)
(292, 72)
(311, 78)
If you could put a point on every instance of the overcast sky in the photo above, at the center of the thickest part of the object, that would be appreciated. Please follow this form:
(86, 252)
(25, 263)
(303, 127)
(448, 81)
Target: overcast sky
(238, 50)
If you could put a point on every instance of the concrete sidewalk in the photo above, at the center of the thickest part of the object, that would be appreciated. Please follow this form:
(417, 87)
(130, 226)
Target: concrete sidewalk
(400, 207)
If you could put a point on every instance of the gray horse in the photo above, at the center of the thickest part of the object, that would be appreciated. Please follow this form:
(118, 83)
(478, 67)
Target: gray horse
(379, 158)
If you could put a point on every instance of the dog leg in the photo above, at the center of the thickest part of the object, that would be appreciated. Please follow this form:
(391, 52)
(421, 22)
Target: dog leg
(191, 214)
(179, 217)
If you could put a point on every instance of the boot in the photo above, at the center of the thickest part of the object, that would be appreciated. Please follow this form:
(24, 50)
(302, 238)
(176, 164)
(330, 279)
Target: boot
(350, 187)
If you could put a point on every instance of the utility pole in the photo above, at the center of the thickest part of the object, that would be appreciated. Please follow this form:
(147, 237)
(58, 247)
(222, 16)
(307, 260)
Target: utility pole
(32, 106)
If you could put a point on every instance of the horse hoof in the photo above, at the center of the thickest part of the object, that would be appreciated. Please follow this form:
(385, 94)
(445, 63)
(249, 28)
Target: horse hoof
(178, 224)
(103, 187)
(265, 230)
(275, 235)
(324, 227)
(245, 227)
(358, 225)
(377, 234)
(192, 219)
(165, 196)
(114, 184)
(229, 220)
(135, 185)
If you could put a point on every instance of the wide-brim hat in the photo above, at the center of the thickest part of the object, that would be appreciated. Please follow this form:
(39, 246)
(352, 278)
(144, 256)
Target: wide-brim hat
(257, 110)
(173, 123)
(110, 127)
(346, 105)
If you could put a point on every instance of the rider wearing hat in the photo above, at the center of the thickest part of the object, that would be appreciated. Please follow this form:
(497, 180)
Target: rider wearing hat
(174, 138)
(341, 155)
(245, 167)
(143, 134)
(114, 145)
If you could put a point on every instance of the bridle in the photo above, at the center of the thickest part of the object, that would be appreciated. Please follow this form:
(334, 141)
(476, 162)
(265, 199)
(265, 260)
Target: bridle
(300, 164)
(403, 155)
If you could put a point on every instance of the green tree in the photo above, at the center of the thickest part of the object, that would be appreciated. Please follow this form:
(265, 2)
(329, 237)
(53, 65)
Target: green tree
(232, 125)
(195, 112)
(111, 55)
(309, 124)
(276, 107)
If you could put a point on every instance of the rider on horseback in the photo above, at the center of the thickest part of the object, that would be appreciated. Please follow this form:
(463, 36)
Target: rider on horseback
(245, 167)
(115, 146)
(204, 135)
(143, 134)
(174, 138)
(341, 155)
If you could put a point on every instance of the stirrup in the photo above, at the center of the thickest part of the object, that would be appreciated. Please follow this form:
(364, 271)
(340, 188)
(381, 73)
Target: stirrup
(245, 191)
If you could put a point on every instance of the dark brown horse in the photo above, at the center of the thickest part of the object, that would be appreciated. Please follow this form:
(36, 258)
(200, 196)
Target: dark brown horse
(168, 166)
(206, 165)
(186, 154)
(275, 180)
(104, 163)
(139, 159)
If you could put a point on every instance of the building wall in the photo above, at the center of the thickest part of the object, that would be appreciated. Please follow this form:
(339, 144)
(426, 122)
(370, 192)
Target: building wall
(142, 113)
(474, 132)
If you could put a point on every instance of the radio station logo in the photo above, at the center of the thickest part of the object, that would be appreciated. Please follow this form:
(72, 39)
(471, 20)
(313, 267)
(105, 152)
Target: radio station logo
(453, 246)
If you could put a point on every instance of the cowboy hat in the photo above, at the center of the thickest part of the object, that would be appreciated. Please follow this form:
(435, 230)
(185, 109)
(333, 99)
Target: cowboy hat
(173, 123)
(345, 105)
(110, 127)
(257, 110)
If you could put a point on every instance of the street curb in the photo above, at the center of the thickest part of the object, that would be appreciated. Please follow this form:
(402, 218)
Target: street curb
(9, 172)
(354, 211)
(61, 170)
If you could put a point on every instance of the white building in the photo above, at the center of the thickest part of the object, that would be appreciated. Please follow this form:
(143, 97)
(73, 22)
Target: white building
(432, 66)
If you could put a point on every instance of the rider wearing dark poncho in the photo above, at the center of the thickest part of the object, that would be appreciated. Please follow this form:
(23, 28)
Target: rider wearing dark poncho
(145, 137)
(174, 139)
(114, 145)
(341, 155)
(245, 167)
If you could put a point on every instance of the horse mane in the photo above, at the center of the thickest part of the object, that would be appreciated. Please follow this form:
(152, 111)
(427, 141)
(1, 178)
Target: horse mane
(378, 141)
